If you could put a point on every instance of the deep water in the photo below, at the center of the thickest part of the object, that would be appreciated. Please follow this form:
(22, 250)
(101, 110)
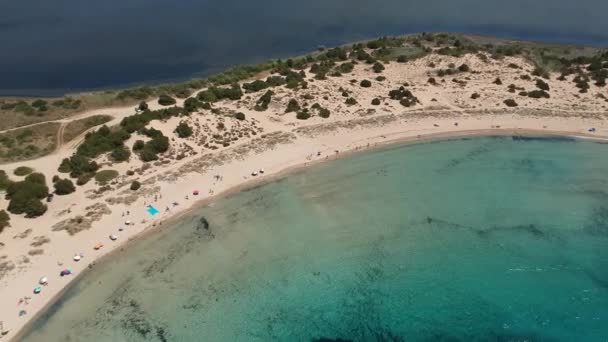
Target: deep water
(481, 239)
(59, 46)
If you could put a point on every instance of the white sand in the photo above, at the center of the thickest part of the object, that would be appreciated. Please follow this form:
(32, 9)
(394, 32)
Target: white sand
(350, 128)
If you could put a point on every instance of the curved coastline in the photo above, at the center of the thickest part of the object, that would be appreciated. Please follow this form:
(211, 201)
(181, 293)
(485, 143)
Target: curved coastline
(246, 185)
(285, 144)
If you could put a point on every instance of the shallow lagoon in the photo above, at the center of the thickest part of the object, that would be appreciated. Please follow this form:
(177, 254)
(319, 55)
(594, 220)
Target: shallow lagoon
(492, 238)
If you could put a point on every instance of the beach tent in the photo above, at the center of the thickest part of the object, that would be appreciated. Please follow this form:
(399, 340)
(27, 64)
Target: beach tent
(43, 281)
(152, 211)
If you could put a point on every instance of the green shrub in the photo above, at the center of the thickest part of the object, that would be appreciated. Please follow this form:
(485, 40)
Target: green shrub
(262, 104)
(346, 68)
(84, 178)
(378, 67)
(537, 94)
(402, 59)
(542, 85)
(302, 115)
(120, 154)
(4, 220)
(365, 84)
(239, 116)
(138, 145)
(147, 155)
(166, 100)
(510, 103)
(104, 176)
(23, 171)
(380, 78)
(497, 81)
(183, 130)
(376, 102)
(4, 180)
(192, 104)
(135, 185)
(292, 106)
(25, 196)
(64, 187)
(464, 68)
(214, 94)
(143, 106)
(475, 96)
(351, 101)
(39, 104)
(324, 113)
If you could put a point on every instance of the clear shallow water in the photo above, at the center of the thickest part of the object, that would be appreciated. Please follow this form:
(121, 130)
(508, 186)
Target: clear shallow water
(53, 47)
(479, 239)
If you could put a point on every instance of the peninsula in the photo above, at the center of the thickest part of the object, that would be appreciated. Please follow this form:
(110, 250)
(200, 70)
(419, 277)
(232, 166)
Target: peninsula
(84, 174)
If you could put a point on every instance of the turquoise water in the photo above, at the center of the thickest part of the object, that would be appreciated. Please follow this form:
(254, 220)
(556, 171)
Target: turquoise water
(481, 239)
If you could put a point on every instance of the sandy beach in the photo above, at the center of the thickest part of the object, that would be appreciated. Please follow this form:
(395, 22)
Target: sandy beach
(267, 144)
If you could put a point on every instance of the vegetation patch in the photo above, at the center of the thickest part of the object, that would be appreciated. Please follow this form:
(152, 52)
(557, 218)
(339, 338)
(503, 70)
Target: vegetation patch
(23, 171)
(104, 176)
(25, 196)
(28, 143)
(77, 127)
(5, 220)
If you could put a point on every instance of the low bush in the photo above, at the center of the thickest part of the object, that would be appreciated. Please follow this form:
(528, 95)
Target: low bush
(64, 187)
(303, 115)
(351, 101)
(135, 185)
(292, 106)
(25, 196)
(239, 116)
(262, 104)
(183, 130)
(324, 113)
(23, 171)
(378, 67)
(104, 176)
(4, 220)
(542, 85)
(510, 103)
(166, 100)
(376, 102)
(365, 84)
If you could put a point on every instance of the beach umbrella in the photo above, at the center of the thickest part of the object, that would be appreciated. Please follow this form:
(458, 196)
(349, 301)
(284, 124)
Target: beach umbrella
(113, 237)
(43, 281)
(195, 192)
(98, 246)
(128, 223)
(77, 257)
(37, 290)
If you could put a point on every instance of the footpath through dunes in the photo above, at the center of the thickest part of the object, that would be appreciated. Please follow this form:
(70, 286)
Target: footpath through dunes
(126, 179)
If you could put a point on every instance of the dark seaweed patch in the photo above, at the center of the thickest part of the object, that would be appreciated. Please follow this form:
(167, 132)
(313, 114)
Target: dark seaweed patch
(543, 138)
(531, 229)
(598, 224)
(202, 224)
(469, 156)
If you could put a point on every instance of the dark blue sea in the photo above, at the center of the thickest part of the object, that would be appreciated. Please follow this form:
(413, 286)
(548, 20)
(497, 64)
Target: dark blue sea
(59, 46)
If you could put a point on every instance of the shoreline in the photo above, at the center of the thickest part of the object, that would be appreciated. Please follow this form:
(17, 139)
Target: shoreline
(336, 117)
(149, 230)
